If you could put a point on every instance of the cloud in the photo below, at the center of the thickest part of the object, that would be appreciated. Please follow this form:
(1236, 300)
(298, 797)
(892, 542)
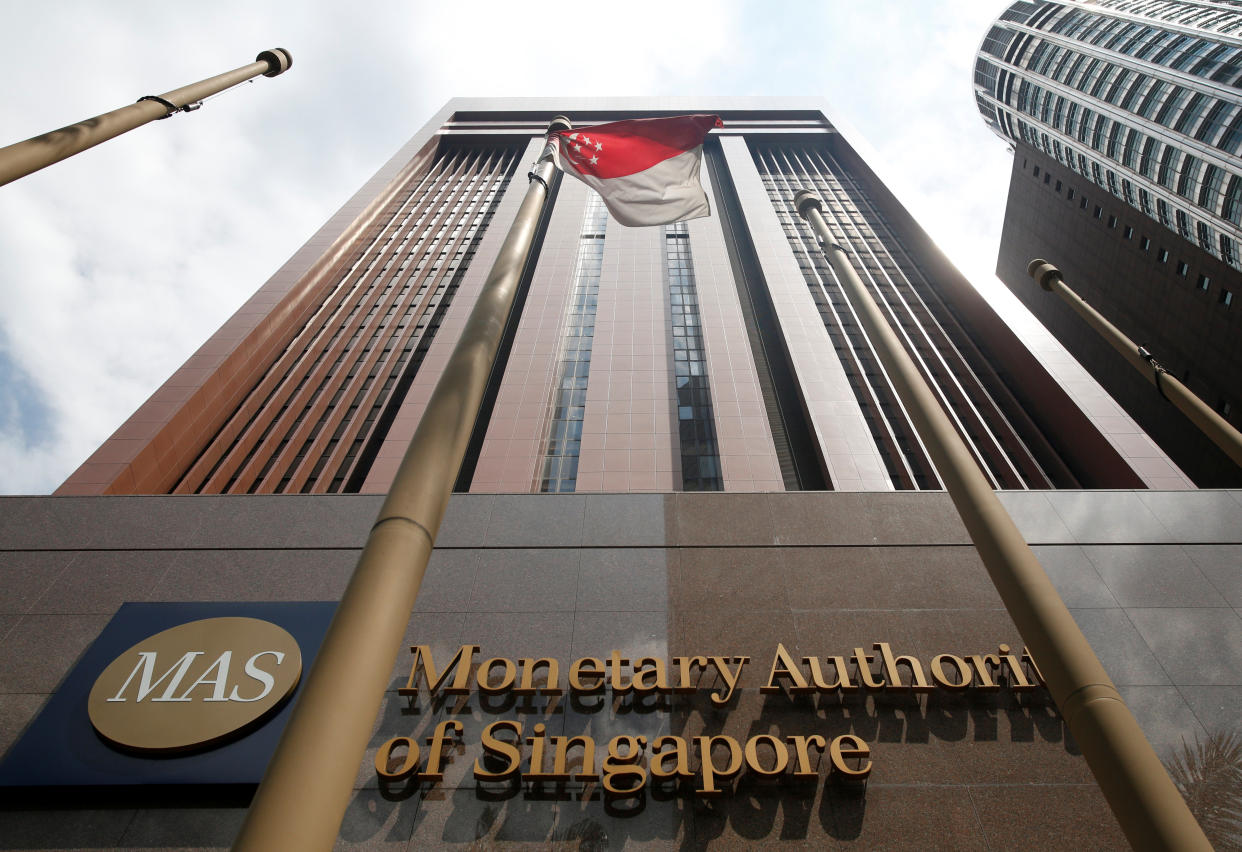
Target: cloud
(118, 263)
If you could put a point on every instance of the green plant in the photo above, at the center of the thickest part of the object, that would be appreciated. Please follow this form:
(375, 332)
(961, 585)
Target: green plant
(1209, 776)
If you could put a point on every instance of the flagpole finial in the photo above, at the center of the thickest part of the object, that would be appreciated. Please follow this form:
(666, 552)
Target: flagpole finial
(559, 123)
(805, 200)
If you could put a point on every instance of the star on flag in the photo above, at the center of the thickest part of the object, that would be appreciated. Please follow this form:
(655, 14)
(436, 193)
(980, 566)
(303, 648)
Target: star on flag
(646, 170)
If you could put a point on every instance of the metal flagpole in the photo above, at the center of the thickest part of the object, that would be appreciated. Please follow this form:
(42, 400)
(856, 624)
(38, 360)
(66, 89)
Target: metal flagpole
(22, 158)
(1148, 806)
(305, 791)
(1200, 413)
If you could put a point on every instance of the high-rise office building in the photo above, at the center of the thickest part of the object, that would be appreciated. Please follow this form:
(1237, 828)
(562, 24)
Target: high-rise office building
(1126, 119)
(717, 354)
(1139, 98)
(711, 356)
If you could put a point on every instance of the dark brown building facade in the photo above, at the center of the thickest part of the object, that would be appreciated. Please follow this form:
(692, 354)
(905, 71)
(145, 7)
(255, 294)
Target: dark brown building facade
(1127, 126)
(1162, 291)
(718, 354)
(714, 355)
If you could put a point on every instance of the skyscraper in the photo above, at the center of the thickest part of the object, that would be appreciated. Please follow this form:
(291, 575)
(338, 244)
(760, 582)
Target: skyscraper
(716, 354)
(712, 355)
(1139, 98)
(1126, 120)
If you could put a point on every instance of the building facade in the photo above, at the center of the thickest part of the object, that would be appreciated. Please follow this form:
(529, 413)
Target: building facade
(1126, 120)
(1139, 98)
(717, 354)
(710, 356)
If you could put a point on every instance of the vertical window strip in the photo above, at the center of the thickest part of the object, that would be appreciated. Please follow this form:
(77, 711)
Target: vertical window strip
(696, 421)
(884, 263)
(560, 461)
(905, 462)
(282, 436)
(910, 298)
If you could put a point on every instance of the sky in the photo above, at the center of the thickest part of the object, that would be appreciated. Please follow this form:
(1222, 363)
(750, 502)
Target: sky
(115, 265)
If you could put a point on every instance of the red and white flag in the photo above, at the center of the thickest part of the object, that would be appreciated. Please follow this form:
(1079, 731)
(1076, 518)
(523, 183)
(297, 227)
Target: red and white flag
(645, 169)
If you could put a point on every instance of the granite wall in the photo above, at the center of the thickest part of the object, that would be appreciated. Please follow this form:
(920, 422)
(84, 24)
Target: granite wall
(1154, 579)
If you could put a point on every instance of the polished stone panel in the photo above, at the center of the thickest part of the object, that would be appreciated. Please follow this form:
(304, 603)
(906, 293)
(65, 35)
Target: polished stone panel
(626, 520)
(865, 519)
(25, 575)
(1195, 646)
(1152, 575)
(739, 573)
(1108, 517)
(1074, 577)
(525, 581)
(625, 579)
(1126, 657)
(1222, 565)
(546, 520)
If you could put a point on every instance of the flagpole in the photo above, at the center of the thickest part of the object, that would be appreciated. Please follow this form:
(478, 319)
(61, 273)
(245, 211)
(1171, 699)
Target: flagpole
(1150, 810)
(22, 158)
(306, 788)
(1217, 428)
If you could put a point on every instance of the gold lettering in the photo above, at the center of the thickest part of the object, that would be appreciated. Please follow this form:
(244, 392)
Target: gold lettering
(618, 662)
(435, 754)
(894, 676)
(983, 671)
(966, 675)
(1020, 683)
(484, 676)
(537, 744)
(680, 751)
(783, 668)
(383, 759)
(1030, 661)
(707, 765)
(841, 680)
(778, 750)
(618, 765)
(863, 663)
(685, 682)
(730, 677)
(849, 747)
(551, 683)
(653, 668)
(802, 746)
(499, 748)
(560, 759)
(587, 675)
(461, 684)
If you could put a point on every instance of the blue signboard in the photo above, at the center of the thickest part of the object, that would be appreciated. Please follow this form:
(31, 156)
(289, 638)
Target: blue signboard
(62, 748)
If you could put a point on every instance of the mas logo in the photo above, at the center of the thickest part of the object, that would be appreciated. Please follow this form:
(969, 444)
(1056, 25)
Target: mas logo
(172, 694)
(195, 684)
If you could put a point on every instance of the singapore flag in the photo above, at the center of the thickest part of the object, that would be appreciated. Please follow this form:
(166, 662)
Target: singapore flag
(645, 169)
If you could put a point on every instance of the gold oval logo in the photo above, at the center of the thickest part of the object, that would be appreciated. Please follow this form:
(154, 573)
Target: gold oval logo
(195, 684)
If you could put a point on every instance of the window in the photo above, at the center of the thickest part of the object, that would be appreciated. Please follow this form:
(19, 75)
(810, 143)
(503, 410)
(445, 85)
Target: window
(1058, 187)
(1226, 298)
(1037, 171)
(1182, 268)
(1204, 282)
(1144, 244)
(1224, 407)
(1069, 193)
(1162, 255)
(1112, 221)
(1047, 177)
(1128, 233)
(1097, 212)
(1082, 205)
(700, 454)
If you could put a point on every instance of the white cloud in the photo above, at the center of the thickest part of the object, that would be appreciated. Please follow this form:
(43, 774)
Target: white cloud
(118, 263)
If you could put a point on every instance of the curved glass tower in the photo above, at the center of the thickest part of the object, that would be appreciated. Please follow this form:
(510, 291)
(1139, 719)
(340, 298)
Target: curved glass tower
(1142, 97)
